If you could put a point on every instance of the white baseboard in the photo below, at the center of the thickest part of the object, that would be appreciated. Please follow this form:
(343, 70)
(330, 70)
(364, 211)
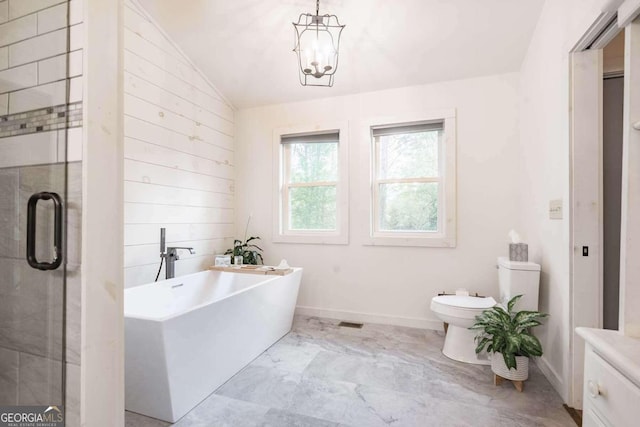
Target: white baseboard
(553, 377)
(385, 319)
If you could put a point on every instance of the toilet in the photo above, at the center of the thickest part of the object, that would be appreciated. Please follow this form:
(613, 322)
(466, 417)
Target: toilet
(460, 311)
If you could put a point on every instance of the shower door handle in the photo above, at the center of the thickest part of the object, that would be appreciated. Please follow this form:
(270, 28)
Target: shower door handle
(57, 233)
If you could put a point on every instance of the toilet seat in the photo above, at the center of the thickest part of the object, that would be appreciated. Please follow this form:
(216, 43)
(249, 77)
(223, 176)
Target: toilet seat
(460, 306)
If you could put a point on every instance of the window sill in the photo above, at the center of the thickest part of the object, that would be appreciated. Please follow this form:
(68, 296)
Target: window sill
(426, 242)
(306, 239)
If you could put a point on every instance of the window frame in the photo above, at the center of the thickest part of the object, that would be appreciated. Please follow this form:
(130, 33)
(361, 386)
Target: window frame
(447, 224)
(281, 232)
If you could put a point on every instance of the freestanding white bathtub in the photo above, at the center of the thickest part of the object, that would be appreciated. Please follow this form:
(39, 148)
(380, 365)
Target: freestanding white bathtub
(186, 336)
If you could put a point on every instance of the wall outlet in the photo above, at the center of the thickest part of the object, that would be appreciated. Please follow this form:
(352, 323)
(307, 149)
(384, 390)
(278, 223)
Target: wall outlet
(555, 209)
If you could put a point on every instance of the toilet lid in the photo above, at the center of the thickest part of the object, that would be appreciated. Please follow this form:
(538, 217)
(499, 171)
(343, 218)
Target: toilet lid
(465, 301)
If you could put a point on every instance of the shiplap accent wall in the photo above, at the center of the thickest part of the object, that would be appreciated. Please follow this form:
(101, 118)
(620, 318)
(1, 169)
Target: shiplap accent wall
(179, 155)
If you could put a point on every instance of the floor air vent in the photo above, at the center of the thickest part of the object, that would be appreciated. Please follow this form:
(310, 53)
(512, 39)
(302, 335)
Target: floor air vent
(350, 325)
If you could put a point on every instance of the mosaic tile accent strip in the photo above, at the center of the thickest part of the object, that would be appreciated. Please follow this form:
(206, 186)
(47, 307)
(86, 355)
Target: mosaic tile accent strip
(42, 120)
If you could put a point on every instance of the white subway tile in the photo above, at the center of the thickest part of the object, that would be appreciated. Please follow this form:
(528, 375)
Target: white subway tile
(18, 78)
(52, 18)
(76, 10)
(19, 8)
(20, 29)
(62, 146)
(30, 149)
(53, 69)
(40, 47)
(76, 37)
(74, 144)
(37, 97)
(75, 89)
(4, 57)
(75, 63)
(70, 144)
(4, 11)
(4, 104)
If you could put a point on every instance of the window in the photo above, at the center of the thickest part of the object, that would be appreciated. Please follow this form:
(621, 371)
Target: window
(310, 171)
(413, 184)
(312, 205)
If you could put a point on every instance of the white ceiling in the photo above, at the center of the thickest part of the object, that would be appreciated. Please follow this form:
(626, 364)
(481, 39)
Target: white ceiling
(245, 46)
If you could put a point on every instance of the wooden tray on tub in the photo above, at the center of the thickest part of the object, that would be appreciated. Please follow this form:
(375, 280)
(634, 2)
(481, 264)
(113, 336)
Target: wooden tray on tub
(254, 269)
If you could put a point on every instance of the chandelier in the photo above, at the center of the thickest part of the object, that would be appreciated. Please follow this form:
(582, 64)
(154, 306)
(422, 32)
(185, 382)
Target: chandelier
(317, 40)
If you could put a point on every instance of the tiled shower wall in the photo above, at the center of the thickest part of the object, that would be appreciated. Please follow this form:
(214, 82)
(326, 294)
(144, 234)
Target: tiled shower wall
(179, 155)
(38, 132)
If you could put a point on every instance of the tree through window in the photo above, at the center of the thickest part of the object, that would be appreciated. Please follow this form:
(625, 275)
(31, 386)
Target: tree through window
(310, 182)
(407, 183)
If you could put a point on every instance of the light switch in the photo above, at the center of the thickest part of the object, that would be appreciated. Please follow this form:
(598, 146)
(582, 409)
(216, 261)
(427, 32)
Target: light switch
(555, 209)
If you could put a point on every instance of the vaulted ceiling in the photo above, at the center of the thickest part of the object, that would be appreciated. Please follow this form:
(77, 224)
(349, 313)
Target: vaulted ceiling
(245, 46)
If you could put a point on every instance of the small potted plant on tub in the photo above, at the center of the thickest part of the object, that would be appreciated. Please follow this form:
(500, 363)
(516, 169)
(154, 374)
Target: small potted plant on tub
(247, 252)
(250, 253)
(506, 335)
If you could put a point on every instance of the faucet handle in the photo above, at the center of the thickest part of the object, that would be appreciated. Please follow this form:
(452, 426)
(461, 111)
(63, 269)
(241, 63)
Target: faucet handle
(174, 250)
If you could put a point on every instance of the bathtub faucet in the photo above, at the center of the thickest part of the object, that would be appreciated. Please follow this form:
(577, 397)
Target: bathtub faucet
(171, 257)
(170, 254)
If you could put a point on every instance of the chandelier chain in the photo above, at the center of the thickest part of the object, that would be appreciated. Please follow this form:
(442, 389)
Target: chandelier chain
(317, 7)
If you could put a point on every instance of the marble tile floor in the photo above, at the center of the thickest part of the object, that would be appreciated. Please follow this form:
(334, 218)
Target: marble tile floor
(323, 375)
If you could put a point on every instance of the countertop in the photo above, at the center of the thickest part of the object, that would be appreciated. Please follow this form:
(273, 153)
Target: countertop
(621, 351)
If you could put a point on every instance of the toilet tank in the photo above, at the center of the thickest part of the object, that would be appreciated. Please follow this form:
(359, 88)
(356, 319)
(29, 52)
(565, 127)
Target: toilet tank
(519, 278)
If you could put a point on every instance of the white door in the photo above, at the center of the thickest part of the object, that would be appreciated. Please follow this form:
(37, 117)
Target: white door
(630, 230)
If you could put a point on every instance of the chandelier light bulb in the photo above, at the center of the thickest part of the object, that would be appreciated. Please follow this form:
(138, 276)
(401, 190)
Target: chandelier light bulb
(328, 54)
(307, 66)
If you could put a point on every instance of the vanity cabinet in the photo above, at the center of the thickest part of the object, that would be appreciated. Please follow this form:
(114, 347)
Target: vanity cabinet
(611, 395)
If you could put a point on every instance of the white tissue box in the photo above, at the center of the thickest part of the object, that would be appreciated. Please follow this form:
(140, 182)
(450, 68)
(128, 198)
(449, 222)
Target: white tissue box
(518, 252)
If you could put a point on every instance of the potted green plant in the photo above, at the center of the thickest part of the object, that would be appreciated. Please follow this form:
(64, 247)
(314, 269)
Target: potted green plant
(250, 252)
(506, 334)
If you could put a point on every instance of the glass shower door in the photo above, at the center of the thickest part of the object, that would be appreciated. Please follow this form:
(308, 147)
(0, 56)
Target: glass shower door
(34, 122)
(32, 291)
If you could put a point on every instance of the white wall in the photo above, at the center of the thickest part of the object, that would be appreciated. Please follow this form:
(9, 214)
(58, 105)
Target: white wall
(179, 158)
(545, 171)
(102, 352)
(394, 284)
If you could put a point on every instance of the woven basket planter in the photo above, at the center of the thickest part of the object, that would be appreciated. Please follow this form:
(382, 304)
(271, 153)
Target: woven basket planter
(521, 372)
